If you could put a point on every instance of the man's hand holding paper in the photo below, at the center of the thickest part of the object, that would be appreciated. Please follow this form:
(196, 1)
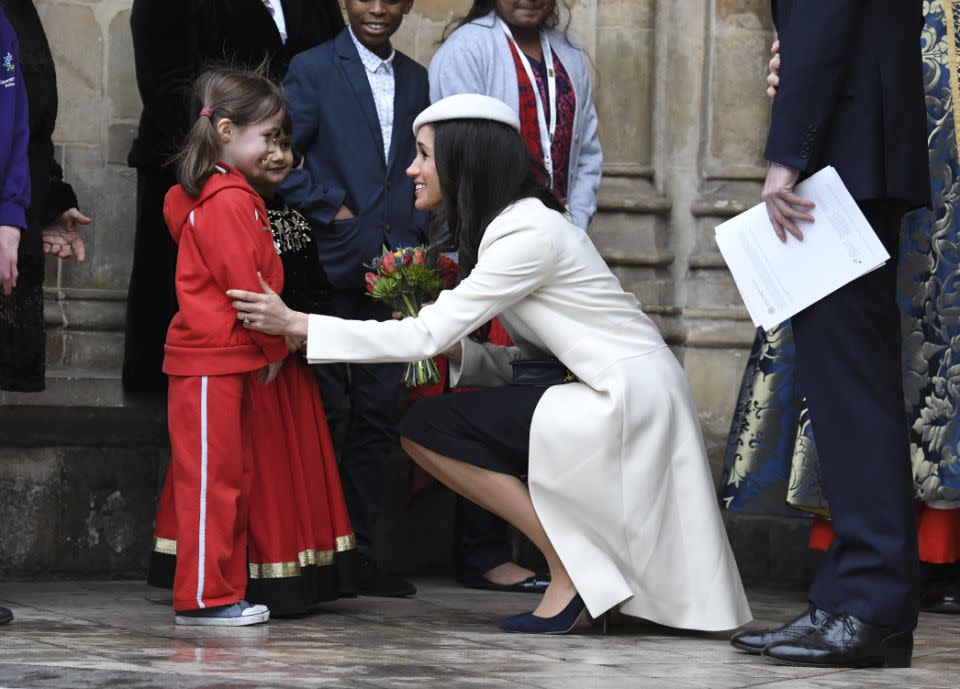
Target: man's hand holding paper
(777, 278)
(784, 208)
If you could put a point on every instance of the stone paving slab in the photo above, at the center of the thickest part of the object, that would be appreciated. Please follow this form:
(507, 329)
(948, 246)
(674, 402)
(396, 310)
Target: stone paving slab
(86, 635)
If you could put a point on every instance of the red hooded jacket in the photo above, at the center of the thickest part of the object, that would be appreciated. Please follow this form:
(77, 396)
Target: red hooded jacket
(225, 239)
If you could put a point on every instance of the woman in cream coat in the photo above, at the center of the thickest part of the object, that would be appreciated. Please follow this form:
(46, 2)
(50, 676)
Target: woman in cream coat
(620, 496)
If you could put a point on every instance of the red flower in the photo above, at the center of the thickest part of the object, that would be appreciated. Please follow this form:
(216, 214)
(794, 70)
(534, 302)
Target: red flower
(388, 264)
(448, 270)
(371, 279)
(419, 257)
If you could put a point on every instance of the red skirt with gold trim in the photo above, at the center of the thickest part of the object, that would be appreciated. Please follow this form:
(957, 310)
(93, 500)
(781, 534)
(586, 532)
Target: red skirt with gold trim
(301, 548)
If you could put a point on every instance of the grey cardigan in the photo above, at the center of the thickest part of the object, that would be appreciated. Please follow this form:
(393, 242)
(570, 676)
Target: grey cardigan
(477, 59)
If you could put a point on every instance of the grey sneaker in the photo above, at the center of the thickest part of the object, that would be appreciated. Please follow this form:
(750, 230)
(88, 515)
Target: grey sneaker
(239, 614)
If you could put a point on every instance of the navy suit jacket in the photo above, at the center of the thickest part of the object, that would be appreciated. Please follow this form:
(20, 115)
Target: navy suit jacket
(851, 95)
(337, 132)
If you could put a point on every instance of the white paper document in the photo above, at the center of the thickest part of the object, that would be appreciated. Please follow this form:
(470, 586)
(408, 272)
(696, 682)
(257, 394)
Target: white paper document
(777, 280)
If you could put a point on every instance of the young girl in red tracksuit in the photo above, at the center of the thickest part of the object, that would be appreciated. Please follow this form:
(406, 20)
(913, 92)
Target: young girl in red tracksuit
(221, 226)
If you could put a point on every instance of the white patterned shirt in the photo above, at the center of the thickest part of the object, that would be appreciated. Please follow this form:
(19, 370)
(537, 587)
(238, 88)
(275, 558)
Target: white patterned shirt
(382, 83)
(275, 8)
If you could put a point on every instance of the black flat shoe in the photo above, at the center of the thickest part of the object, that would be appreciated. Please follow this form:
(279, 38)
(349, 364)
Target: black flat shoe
(5, 616)
(538, 583)
(373, 581)
(755, 641)
(845, 641)
(942, 599)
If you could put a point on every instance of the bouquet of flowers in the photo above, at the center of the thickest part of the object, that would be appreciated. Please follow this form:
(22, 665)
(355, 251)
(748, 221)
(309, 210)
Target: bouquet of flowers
(404, 280)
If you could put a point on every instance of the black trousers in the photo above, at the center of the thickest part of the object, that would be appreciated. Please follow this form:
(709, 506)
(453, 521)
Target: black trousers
(480, 540)
(374, 392)
(848, 363)
(151, 297)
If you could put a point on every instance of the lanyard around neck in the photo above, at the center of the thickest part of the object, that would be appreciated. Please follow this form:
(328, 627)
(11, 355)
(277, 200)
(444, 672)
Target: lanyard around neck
(546, 132)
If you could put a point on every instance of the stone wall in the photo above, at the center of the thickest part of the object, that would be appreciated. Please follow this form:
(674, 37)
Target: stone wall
(680, 91)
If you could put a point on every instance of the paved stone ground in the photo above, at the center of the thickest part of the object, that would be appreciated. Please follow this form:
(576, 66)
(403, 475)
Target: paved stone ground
(81, 635)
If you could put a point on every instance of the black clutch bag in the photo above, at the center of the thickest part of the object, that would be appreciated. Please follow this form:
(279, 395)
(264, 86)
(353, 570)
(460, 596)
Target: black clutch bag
(540, 372)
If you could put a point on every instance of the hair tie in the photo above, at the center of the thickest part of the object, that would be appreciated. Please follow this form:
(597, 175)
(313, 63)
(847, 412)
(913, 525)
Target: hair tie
(206, 111)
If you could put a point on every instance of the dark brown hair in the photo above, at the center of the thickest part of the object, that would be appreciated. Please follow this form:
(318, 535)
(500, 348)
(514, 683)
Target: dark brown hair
(244, 97)
(483, 167)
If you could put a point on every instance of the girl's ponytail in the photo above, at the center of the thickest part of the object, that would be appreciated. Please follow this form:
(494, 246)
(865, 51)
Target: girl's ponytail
(243, 97)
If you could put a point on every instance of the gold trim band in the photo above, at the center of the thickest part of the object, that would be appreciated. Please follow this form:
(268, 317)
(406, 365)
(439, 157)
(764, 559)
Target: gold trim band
(164, 546)
(348, 542)
(306, 558)
(277, 570)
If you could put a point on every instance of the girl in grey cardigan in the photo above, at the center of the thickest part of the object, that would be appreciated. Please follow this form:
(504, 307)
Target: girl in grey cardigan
(482, 57)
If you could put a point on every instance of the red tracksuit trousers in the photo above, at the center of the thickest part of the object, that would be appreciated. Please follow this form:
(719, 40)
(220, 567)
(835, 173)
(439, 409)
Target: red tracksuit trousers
(211, 464)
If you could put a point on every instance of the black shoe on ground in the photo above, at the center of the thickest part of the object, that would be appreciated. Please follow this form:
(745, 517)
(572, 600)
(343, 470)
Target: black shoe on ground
(755, 641)
(538, 583)
(373, 581)
(942, 598)
(845, 641)
(5, 615)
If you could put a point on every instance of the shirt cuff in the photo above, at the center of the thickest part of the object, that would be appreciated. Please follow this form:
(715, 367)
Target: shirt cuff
(13, 214)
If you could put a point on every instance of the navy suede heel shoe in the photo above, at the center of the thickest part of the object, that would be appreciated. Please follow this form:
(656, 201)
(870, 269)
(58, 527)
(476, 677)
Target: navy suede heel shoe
(561, 623)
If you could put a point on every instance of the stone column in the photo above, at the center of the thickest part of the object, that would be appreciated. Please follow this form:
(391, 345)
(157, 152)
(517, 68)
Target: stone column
(730, 164)
(632, 225)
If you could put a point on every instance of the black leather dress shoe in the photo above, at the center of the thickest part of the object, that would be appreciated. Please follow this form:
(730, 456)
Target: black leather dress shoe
(755, 641)
(538, 583)
(845, 641)
(5, 615)
(943, 599)
(373, 581)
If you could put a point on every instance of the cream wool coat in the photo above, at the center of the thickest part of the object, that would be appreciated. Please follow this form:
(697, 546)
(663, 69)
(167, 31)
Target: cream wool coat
(618, 474)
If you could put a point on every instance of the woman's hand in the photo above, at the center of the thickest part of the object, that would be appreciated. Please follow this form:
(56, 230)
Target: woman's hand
(266, 313)
(294, 344)
(773, 79)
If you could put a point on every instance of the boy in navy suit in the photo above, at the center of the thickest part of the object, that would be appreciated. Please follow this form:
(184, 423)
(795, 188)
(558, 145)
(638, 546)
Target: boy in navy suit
(353, 101)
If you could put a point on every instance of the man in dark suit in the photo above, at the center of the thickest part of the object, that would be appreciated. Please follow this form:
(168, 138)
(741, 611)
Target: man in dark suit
(353, 101)
(851, 95)
(174, 41)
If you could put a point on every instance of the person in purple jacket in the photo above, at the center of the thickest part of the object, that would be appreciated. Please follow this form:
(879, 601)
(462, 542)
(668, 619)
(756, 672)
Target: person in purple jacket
(39, 210)
(14, 168)
(14, 175)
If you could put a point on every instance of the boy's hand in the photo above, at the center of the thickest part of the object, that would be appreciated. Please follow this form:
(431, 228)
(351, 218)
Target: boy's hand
(269, 373)
(343, 214)
(9, 245)
(773, 79)
(61, 237)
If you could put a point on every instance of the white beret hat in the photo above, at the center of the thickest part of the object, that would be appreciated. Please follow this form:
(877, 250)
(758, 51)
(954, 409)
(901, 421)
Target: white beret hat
(467, 106)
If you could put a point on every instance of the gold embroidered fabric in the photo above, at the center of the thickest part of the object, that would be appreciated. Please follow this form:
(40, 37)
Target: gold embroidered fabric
(277, 570)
